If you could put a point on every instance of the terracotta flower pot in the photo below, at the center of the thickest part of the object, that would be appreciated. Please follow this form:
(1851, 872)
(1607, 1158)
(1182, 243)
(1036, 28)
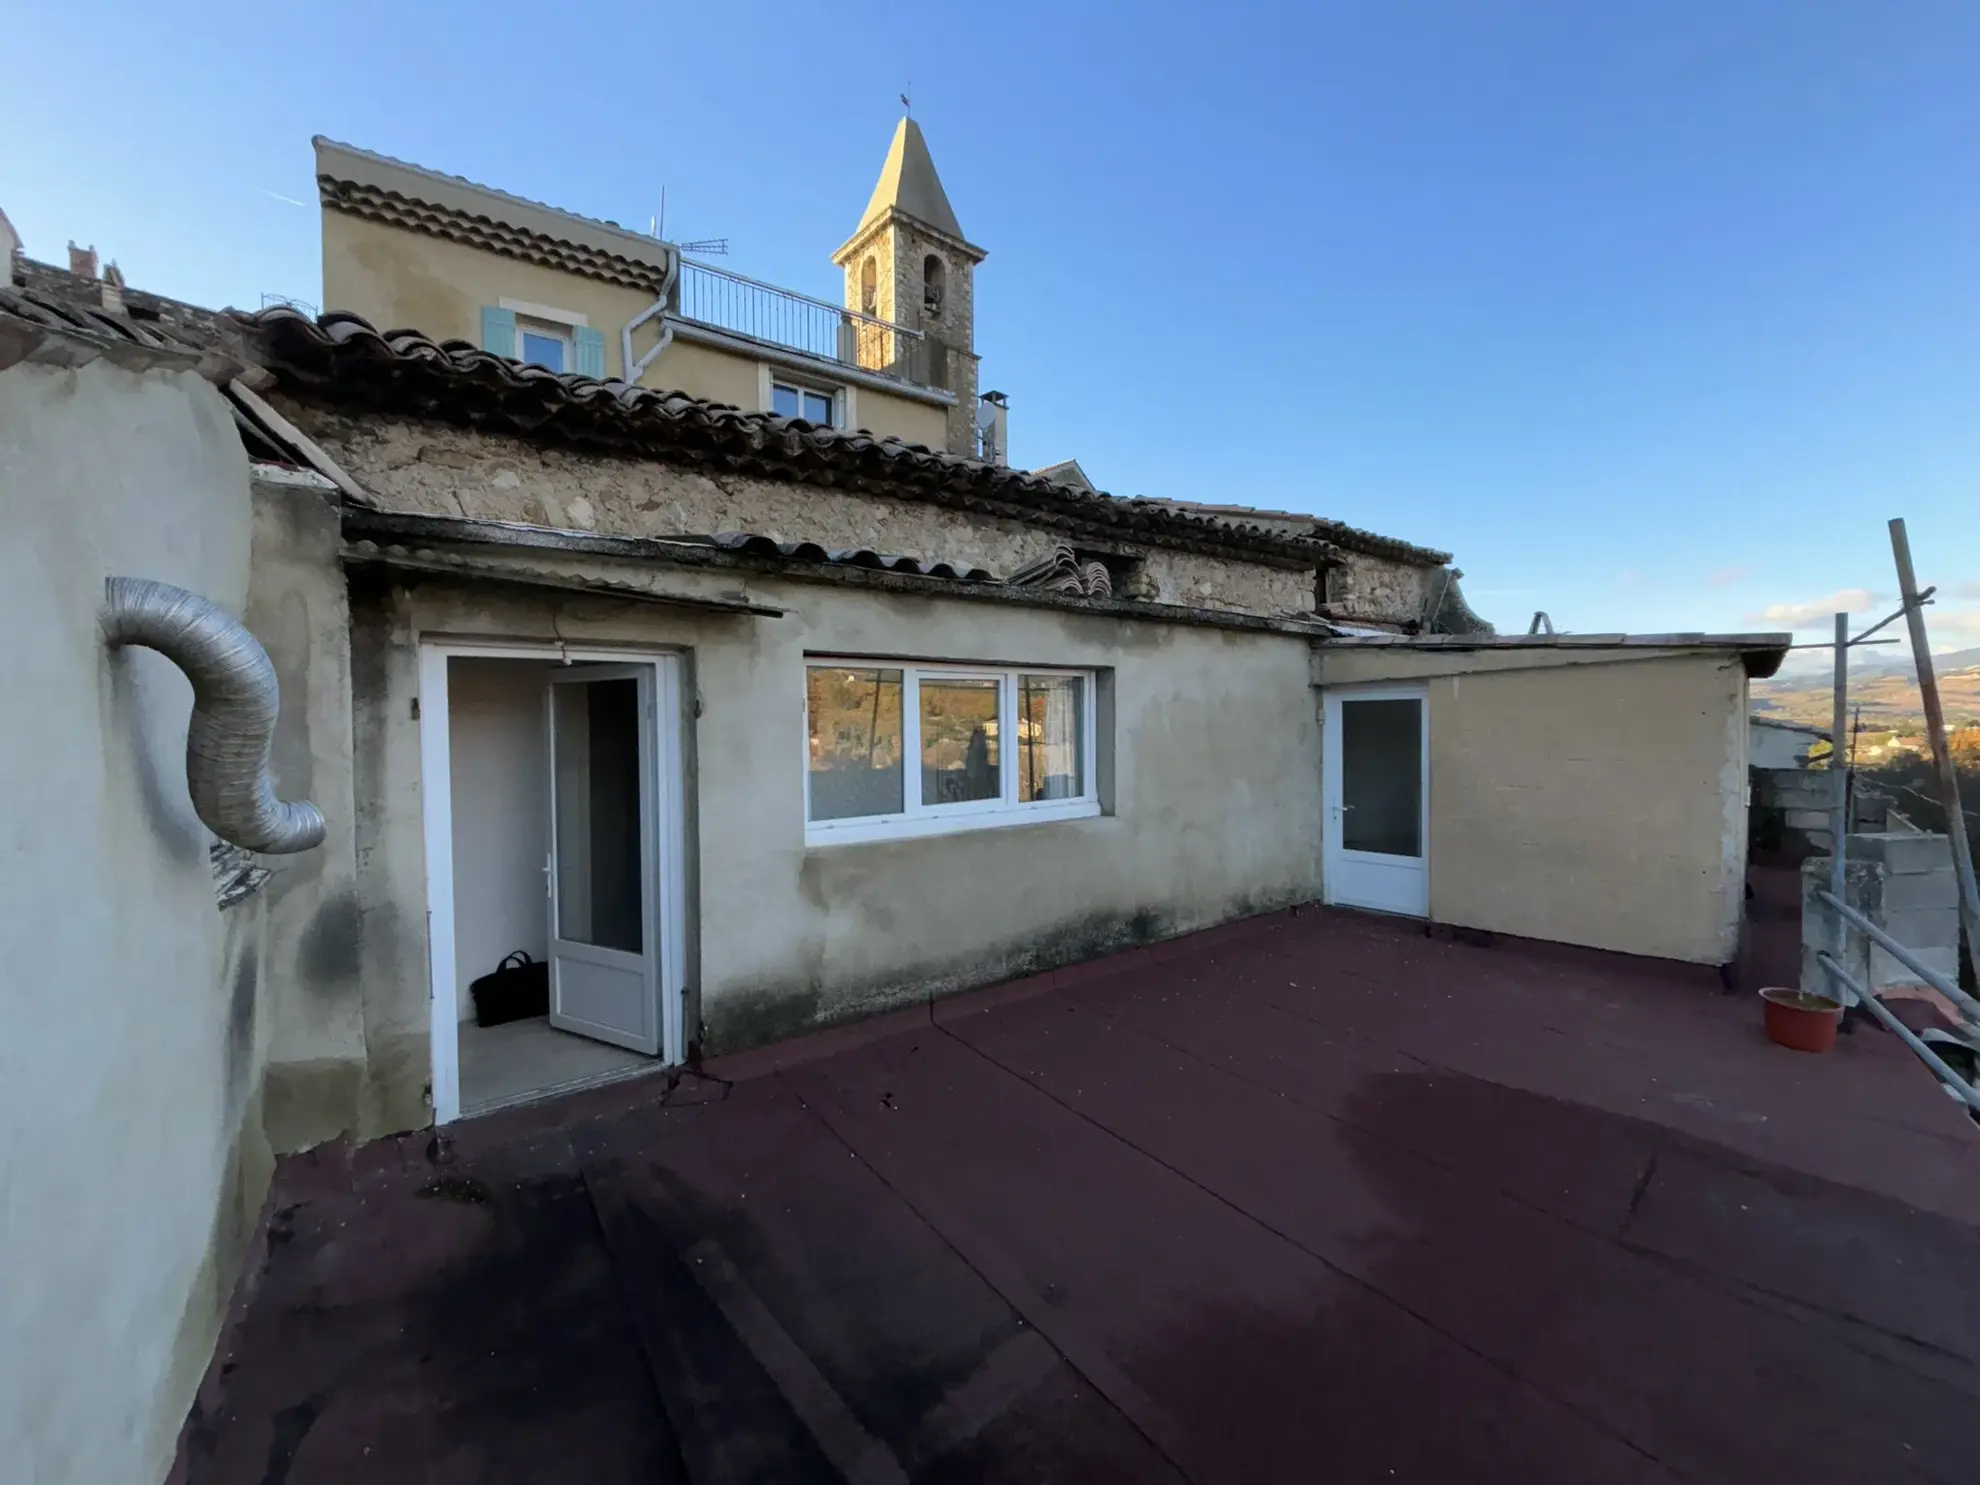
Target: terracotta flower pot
(1807, 1023)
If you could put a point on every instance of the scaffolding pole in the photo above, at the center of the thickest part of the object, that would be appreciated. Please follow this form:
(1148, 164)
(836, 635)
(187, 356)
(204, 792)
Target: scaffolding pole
(1935, 731)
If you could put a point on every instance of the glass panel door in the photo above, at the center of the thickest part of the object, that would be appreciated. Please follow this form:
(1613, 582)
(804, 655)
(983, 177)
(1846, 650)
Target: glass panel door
(1376, 781)
(604, 958)
(1382, 776)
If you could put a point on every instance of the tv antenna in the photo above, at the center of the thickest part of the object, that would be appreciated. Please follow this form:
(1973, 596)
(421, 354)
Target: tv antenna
(700, 247)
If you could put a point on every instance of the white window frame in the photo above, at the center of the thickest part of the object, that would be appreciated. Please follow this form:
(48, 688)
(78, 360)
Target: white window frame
(547, 330)
(834, 395)
(919, 819)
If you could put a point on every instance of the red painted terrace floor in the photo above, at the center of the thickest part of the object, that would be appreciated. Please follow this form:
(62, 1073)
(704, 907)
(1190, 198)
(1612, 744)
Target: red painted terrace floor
(1310, 1198)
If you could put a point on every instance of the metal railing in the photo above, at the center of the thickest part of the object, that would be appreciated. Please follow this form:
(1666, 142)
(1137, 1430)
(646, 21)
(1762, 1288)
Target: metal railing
(1844, 919)
(758, 311)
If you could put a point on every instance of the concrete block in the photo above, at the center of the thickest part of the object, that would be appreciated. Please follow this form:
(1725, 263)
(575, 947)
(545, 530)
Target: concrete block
(1886, 971)
(1801, 791)
(1922, 928)
(1903, 853)
(1798, 819)
(1921, 889)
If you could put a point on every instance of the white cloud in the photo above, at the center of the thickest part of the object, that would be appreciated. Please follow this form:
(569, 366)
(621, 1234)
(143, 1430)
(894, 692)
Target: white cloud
(1956, 629)
(1966, 590)
(1725, 577)
(1813, 613)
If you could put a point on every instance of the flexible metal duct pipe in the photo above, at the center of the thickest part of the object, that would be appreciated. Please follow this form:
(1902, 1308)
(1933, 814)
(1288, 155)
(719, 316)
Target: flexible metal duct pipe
(235, 703)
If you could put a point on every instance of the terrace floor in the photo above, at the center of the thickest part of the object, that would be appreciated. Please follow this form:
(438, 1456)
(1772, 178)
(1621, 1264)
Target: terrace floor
(1309, 1198)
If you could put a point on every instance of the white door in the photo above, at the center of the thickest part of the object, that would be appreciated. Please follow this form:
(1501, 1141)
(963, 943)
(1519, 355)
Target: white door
(604, 860)
(1377, 774)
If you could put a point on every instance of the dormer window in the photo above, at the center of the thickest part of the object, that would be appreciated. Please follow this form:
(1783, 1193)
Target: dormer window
(932, 274)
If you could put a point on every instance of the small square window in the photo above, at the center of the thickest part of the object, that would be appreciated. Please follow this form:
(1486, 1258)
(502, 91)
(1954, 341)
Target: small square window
(542, 346)
(787, 401)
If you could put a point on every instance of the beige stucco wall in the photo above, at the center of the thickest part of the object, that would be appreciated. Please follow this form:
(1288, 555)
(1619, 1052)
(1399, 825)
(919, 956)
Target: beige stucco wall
(132, 1161)
(1215, 795)
(401, 279)
(437, 469)
(706, 371)
(1584, 797)
(887, 415)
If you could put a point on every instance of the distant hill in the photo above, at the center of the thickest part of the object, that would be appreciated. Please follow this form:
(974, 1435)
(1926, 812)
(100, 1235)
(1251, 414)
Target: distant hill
(1883, 684)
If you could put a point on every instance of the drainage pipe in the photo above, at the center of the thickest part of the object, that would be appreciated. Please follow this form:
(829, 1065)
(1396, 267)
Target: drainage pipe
(634, 370)
(235, 703)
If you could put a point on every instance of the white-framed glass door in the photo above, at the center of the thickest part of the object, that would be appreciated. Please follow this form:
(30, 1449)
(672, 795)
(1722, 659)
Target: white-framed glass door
(1377, 789)
(603, 866)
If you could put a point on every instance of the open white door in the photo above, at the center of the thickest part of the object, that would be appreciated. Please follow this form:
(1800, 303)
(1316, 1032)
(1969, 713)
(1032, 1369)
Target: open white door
(604, 861)
(1377, 775)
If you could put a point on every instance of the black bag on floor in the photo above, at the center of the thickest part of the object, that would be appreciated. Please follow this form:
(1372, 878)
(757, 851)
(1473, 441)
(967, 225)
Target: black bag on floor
(518, 989)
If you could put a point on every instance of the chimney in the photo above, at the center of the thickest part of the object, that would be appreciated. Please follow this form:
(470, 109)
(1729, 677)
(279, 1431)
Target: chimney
(992, 435)
(82, 261)
(113, 288)
(10, 244)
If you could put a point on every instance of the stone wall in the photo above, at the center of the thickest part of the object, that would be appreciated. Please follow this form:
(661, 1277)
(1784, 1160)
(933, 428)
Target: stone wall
(436, 469)
(1381, 590)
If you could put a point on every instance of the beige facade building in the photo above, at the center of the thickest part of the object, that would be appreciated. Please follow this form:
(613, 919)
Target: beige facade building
(407, 246)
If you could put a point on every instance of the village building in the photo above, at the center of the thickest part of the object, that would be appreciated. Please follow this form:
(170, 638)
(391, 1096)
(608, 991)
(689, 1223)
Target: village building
(745, 715)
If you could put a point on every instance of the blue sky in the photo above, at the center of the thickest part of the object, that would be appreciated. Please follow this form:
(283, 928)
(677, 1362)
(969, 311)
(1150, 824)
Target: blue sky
(1651, 314)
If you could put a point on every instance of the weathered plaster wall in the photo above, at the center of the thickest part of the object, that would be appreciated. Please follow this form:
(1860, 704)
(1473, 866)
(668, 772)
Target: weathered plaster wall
(439, 470)
(297, 608)
(132, 1161)
(1214, 783)
(1583, 797)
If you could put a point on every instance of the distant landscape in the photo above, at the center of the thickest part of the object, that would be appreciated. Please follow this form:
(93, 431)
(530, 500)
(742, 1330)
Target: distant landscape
(1885, 688)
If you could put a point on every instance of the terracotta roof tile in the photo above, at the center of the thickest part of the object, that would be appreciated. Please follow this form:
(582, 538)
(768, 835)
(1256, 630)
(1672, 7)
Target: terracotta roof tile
(342, 360)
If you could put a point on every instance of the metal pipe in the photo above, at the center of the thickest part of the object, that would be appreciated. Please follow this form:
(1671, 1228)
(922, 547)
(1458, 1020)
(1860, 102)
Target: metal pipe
(1889, 619)
(1964, 1091)
(1899, 952)
(632, 371)
(1839, 769)
(1935, 728)
(235, 703)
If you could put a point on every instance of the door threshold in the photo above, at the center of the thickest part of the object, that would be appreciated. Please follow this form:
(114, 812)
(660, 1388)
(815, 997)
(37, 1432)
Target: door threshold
(558, 1090)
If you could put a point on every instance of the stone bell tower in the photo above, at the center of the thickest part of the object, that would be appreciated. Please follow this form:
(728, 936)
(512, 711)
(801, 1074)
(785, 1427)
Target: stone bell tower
(908, 262)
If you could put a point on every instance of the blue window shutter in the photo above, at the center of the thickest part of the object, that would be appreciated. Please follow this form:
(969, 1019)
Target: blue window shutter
(590, 352)
(498, 330)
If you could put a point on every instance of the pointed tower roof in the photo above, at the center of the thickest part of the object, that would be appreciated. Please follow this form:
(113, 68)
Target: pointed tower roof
(909, 185)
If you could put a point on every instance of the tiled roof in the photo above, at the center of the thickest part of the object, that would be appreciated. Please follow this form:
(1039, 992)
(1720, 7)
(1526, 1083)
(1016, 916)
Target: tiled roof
(1338, 533)
(342, 361)
(412, 197)
(811, 551)
(445, 545)
(30, 321)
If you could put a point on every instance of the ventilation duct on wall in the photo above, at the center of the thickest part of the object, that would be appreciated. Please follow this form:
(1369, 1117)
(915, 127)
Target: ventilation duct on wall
(235, 703)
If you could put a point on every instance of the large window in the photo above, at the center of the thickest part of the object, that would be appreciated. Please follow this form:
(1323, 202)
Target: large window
(897, 749)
